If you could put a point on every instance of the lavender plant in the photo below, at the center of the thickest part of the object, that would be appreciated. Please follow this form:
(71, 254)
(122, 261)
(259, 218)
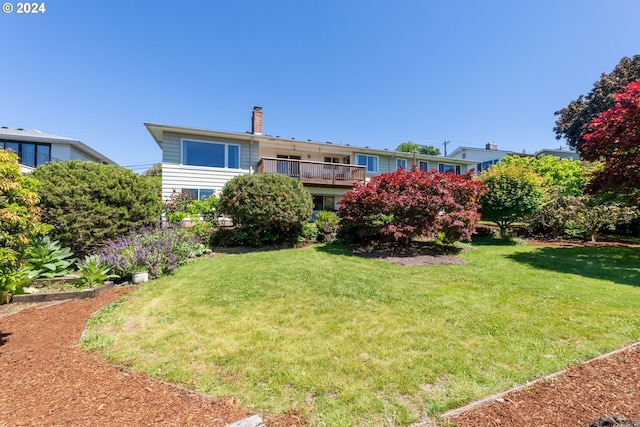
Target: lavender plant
(155, 250)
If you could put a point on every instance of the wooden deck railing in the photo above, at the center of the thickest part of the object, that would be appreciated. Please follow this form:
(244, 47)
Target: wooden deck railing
(317, 173)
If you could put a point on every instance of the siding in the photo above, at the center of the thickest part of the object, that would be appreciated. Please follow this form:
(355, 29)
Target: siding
(76, 155)
(177, 177)
(171, 148)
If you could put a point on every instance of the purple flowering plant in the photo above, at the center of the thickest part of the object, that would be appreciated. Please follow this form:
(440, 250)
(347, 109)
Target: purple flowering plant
(155, 250)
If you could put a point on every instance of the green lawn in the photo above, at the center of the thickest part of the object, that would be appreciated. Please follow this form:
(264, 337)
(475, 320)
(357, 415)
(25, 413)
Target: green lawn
(354, 341)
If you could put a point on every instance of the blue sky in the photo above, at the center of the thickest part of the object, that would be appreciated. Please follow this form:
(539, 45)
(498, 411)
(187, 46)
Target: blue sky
(370, 73)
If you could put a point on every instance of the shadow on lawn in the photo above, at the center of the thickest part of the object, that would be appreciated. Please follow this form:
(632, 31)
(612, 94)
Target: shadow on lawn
(334, 249)
(618, 264)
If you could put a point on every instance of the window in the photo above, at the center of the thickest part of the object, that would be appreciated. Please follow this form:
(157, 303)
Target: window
(401, 163)
(332, 160)
(445, 167)
(30, 153)
(198, 193)
(371, 162)
(424, 166)
(324, 203)
(211, 154)
(485, 165)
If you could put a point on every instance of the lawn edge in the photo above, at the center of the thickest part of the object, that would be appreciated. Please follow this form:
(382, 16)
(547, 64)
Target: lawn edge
(494, 397)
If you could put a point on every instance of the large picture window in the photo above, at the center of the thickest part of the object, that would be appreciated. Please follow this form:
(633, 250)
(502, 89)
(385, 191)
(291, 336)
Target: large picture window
(30, 153)
(210, 154)
(371, 162)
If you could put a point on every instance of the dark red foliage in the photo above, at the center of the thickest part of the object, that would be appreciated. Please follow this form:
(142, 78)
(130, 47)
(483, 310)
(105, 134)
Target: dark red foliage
(404, 204)
(615, 138)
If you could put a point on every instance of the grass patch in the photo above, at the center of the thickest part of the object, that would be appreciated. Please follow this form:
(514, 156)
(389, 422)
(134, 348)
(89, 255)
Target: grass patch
(354, 341)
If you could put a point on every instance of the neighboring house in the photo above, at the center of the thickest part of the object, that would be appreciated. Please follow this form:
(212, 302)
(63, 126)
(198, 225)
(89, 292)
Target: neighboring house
(202, 161)
(563, 153)
(490, 155)
(36, 148)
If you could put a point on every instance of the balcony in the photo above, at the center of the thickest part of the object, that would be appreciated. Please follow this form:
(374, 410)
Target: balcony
(314, 173)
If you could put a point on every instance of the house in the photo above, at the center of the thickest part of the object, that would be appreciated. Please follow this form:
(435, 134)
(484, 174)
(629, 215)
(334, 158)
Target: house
(490, 155)
(563, 153)
(202, 161)
(36, 148)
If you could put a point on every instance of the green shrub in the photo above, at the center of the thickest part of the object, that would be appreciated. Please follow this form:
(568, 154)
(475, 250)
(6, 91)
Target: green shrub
(89, 203)
(203, 230)
(19, 221)
(182, 205)
(14, 283)
(268, 208)
(93, 271)
(309, 233)
(328, 225)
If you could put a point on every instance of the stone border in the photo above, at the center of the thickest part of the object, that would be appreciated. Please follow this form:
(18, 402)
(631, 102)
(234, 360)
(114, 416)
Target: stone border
(499, 397)
(59, 296)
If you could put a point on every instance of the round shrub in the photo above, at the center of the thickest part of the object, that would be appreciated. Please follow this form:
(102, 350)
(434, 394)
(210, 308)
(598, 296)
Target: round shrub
(267, 207)
(88, 203)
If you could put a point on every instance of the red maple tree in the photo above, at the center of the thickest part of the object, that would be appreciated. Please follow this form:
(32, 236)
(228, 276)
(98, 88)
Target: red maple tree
(400, 205)
(614, 138)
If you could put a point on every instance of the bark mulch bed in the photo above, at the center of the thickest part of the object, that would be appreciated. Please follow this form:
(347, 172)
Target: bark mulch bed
(48, 380)
(595, 390)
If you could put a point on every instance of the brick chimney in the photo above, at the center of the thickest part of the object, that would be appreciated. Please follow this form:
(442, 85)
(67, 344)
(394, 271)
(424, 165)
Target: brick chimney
(491, 146)
(256, 121)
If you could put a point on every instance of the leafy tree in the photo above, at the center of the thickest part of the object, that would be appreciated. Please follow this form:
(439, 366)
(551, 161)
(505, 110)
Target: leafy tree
(398, 206)
(513, 192)
(614, 138)
(574, 119)
(19, 220)
(155, 170)
(565, 174)
(410, 147)
(429, 150)
(266, 207)
(89, 203)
